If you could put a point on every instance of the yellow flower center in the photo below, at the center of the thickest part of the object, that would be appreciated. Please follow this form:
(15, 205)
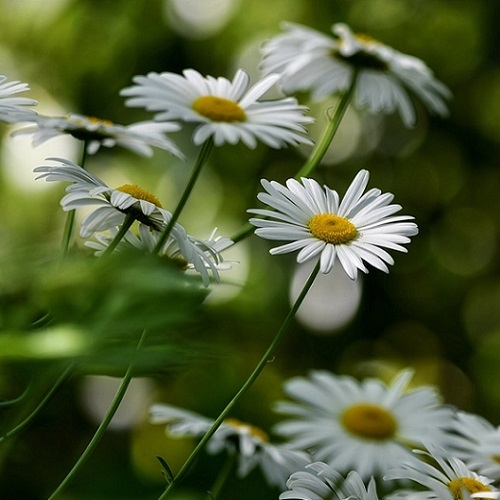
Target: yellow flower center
(253, 431)
(369, 421)
(469, 484)
(139, 193)
(364, 59)
(332, 229)
(99, 121)
(496, 458)
(219, 109)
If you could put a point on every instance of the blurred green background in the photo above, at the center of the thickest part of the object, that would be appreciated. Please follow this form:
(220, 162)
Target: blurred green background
(437, 311)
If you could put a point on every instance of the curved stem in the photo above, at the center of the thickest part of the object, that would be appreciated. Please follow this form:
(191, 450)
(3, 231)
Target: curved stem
(70, 218)
(330, 131)
(27, 421)
(319, 150)
(266, 358)
(205, 150)
(129, 220)
(102, 426)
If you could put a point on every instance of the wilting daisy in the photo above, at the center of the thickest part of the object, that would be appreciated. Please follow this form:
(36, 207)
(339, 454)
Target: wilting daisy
(364, 426)
(228, 111)
(309, 60)
(250, 443)
(113, 205)
(138, 137)
(321, 482)
(204, 256)
(449, 479)
(477, 442)
(12, 108)
(353, 231)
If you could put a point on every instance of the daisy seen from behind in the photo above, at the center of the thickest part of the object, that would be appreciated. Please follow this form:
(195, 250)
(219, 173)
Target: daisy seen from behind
(227, 111)
(319, 481)
(95, 132)
(308, 60)
(444, 477)
(113, 205)
(12, 107)
(250, 443)
(364, 426)
(476, 442)
(314, 221)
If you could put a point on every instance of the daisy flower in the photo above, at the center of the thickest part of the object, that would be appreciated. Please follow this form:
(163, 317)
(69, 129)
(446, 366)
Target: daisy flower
(353, 231)
(228, 111)
(113, 205)
(251, 444)
(448, 479)
(477, 442)
(138, 137)
(320, 482)
(12, 107)
(180, 248)
(364, 426)
(308, 60)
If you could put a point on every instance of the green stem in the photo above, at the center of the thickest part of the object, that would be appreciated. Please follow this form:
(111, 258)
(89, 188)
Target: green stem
(102, 427)
(330, 131)
(205, 150)
(70, 218)
(129, 220)
(27, 421)
(319, 150)
(266, 358)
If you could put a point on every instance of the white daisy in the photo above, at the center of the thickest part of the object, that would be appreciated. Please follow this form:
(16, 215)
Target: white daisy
(364, 426)
(228, 111)
(113, 204)
(321, 482)
(180, 248)
(138, 137)
(12, 108)
(477, 442)
(309, 60)
(251, 444)
(450, 479)
(312, 219)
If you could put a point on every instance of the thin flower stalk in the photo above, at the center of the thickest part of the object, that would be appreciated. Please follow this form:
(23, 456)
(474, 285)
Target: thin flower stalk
(266, 358)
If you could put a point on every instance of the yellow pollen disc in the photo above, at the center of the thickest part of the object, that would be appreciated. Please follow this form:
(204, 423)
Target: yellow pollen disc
(332, 229)
(496, 458)
(99, 121)
(369, 421)
(139, 193)
(468, 483)
(91, 119)
(254, 431)
(219, 109)
(361, 37)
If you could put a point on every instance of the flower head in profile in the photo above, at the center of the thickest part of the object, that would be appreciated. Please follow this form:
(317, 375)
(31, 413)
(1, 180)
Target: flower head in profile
(250, 443)
(316, 223)
(476, 442)
(446, 478)
(12, 107)
(185, 251)
(364, 426)
(113, 205)
(308, 60)
(319, 481)
(138, 137)
(228, 111)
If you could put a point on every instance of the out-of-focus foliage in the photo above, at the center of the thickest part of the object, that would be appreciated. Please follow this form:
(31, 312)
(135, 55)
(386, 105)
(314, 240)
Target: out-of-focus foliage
(437, 310)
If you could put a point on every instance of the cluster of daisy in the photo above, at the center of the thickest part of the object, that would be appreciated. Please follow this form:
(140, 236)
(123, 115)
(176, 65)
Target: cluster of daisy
(344, 438)
(366, 439)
